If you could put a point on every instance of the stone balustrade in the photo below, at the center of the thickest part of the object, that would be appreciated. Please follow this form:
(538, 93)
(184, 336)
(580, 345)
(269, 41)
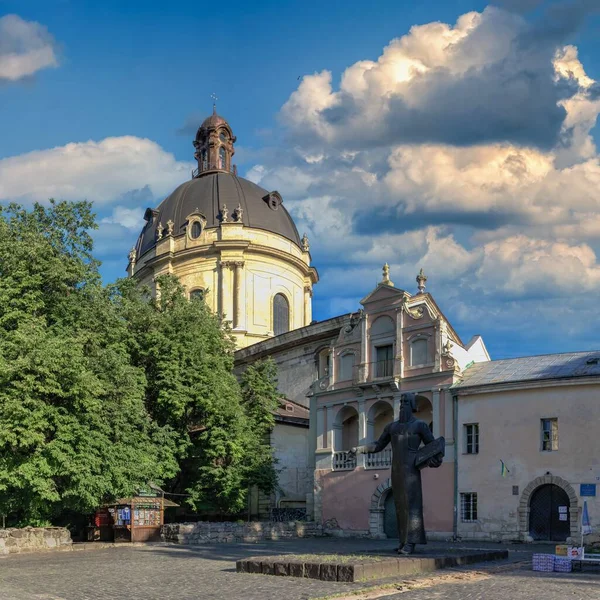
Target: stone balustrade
(34, 539)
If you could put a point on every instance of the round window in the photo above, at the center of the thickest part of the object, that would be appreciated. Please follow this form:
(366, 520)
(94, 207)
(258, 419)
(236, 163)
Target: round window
(196, 230)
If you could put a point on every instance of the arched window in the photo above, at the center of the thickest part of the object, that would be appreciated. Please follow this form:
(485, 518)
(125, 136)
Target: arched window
(196, 230)
(197, 294)
(204, 160)
(418, 352)
(281, 314)
(222, 157)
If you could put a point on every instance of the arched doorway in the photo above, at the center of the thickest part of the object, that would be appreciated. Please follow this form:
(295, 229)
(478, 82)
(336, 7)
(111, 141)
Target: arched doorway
(549, 514)
(390, 523)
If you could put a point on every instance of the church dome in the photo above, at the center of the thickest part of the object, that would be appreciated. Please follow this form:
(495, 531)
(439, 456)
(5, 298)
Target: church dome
(209, 194)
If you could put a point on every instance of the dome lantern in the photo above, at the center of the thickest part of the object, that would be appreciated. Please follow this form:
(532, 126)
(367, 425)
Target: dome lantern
(214, 145)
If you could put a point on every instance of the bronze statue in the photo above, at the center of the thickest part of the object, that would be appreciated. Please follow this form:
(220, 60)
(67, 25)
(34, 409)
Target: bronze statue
(406, 435)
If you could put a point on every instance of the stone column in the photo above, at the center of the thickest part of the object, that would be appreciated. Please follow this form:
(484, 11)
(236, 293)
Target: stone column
(448, 410)
(320, 428)
(223, 296)
(238, 298)
(435, 394)
(396, 406)
(362, 423)
(329, 432)
(308, 293)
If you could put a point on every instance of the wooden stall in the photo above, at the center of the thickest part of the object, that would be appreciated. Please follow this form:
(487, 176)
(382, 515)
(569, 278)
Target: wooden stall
(135, 519)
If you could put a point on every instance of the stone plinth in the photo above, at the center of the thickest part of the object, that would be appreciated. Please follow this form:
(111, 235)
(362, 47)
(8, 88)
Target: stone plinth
(350, 568)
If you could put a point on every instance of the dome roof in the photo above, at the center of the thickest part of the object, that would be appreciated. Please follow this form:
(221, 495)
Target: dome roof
(207, 194)
(213, 121)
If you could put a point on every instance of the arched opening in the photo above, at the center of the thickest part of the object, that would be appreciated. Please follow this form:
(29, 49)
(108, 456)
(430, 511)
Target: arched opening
(346, 429)
(197, 294)
(281, 314)
(222, 158)
(390, 520)
(204, 159)
(379, 415)
(196, 230)
(424, 411)
(549, 514)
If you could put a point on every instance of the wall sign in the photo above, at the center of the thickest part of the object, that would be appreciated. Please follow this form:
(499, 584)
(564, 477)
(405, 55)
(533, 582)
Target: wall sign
(587, 489)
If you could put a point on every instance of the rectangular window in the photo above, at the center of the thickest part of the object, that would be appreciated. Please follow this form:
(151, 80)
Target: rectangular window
(549, 435)
(346, 367)
(472, 438)
(384, 367)
(468, 507)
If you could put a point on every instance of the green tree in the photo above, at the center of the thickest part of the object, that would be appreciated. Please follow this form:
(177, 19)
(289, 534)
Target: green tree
(260, 400)
(74, 430)
(187, 353)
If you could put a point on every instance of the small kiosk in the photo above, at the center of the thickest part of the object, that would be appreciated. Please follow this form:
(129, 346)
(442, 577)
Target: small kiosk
(135, 519)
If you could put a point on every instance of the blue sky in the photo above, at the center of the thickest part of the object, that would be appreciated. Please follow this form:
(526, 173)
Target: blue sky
(468, 148)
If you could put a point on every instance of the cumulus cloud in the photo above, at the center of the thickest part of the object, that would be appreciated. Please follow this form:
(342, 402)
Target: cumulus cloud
(463, 149)
(482, 80)
(96, 171)
(25, 48)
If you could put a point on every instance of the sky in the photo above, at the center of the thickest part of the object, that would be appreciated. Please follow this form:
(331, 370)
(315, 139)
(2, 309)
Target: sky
(457, 136)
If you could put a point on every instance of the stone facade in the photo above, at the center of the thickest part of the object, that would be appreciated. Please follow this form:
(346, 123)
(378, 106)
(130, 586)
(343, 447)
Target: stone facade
(397, 343)
(34, 539)
(209, 533)
(509, 424)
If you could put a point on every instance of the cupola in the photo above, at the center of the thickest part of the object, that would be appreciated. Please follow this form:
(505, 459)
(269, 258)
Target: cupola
(214, 145)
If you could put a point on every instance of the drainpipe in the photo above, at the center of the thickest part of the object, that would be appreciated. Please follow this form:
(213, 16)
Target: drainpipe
(455, 433)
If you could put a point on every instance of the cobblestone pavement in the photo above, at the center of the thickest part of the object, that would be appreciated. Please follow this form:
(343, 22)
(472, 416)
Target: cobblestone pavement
(208, 572)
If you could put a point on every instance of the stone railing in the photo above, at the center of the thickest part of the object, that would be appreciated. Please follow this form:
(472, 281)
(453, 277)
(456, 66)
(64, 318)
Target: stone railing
(379, 460)
(212, 533)
(34, 539)
(341, 461)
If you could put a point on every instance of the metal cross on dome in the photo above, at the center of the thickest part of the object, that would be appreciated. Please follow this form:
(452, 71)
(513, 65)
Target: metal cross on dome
(214, 99)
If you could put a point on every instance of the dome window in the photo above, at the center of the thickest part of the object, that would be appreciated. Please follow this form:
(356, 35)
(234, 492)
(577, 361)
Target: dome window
(196, 230)
(222, 158)
(281, 314)
(197, 294)
(273, 199)
(223, 137)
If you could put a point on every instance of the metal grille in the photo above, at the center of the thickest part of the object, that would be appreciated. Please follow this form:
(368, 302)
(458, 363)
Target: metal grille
(468, 507)
(547, 505)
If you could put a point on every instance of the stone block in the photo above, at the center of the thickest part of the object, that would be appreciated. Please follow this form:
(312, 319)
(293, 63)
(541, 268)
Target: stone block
(253, 566)
(312, 570)
(268, 567)
(328, 572)
(296, 569)
(281, 568)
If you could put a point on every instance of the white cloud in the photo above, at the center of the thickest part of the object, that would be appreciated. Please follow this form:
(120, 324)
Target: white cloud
(25, 48)
(130, 218)
(466, 150)
(96, 171)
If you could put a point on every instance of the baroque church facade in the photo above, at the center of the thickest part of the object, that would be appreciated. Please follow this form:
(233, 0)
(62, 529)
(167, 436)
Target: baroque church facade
(236, 245)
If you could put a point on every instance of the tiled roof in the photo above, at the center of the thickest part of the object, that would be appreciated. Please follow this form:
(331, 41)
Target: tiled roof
(532, 368)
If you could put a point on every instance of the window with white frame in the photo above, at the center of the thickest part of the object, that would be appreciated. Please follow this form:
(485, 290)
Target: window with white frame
(549, 435)
(471, 438)
(468, 507)
(418, 352)
(346, 366)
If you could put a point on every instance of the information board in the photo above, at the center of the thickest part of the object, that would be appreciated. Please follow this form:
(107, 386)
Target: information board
(587, 489)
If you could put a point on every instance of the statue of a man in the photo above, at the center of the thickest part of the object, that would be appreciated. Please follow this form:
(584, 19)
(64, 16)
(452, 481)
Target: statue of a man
(406, 435)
